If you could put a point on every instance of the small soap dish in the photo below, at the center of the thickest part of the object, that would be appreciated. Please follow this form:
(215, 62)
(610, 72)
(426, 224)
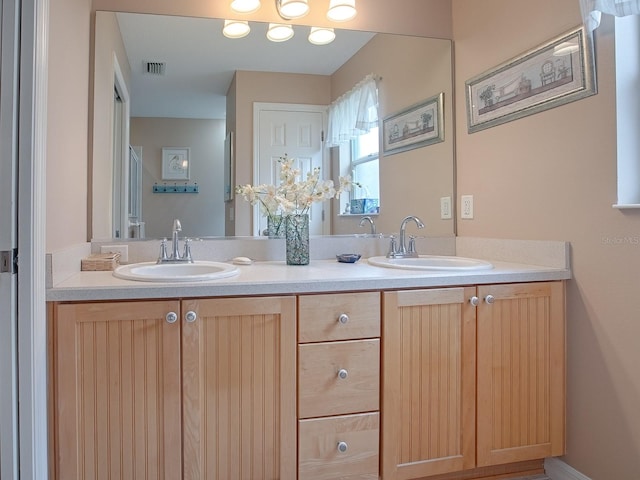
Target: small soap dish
(348, 257)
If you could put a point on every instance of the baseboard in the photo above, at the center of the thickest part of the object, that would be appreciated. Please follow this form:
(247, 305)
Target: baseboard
(556, 469)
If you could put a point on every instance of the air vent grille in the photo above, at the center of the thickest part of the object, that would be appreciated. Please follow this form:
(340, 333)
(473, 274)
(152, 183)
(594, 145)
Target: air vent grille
(154, 68)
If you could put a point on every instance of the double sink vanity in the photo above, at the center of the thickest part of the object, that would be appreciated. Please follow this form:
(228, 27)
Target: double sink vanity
(446, 366)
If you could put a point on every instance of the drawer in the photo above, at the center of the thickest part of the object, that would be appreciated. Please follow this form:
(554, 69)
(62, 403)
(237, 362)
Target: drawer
(338, 377)
(319, 456)
(321, 317)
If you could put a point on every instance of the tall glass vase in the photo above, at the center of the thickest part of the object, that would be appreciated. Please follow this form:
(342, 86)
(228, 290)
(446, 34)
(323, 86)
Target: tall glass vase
(297, 239)
(275, 226)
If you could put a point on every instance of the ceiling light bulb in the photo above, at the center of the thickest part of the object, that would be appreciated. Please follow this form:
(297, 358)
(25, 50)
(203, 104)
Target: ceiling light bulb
(245, 6)
(341, 10)
(321, 35)
(279, 32)
(236, 28)
(290, 9)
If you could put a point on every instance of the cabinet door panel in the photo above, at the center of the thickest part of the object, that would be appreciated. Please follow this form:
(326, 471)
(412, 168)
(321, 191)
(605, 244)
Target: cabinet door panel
(239, 389)
(117, 391)
(521, 372)
(428, 382)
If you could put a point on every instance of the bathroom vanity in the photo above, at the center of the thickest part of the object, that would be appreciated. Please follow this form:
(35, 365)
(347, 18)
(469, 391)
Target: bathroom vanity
(319, 372)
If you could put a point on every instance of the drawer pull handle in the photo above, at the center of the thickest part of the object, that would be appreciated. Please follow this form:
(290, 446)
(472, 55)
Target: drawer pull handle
(343, 318)
(489, 299)
(342, 447)
(474, 301)
(171, 317)
(191, 316)
(342, 374)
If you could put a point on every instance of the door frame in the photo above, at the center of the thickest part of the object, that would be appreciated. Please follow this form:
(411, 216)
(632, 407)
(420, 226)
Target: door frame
(259, 107)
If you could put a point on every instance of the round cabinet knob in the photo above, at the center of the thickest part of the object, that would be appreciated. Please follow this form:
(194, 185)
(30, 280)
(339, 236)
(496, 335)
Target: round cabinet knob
(342, 447)
(474, 301)
(342, 374)
(191, 316)
(343, 318)
(172, 317)
(489, 299)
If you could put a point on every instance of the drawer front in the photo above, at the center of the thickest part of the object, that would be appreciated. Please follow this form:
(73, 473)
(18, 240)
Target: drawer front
(319, 455)
(322, 317)
(338, 378)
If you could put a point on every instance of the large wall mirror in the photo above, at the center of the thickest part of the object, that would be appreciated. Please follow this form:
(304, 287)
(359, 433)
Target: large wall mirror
(139, 93)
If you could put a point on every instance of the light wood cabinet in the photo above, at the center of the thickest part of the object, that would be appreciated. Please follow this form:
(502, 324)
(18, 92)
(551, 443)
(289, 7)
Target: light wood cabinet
(521, 372)
(428, 378)
(339, 386)
(139, 397)
(431, 368)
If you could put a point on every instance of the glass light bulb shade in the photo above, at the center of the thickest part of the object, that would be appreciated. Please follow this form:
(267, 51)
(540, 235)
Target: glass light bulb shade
(245, 6)
(236, 28)
(290, 9)
(321, 35)
(279, 32)
(341, 10)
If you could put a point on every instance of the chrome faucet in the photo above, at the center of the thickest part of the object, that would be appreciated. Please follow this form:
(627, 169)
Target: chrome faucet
(400, 249)
(363, 220)
(175, 256)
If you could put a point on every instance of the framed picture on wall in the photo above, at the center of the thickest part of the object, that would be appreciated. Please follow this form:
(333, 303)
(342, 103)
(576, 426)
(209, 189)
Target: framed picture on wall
(175, 163)
(417, 126)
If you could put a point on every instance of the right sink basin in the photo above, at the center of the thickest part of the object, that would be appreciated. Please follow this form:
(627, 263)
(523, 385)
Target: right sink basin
(432, 262)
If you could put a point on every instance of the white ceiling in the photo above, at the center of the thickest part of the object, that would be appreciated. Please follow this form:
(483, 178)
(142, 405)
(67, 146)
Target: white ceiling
(200, 61)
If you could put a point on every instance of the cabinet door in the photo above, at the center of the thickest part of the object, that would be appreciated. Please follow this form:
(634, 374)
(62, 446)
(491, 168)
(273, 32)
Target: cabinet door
(117, 391)
(239, 389)
(428, 399)
(521, 372)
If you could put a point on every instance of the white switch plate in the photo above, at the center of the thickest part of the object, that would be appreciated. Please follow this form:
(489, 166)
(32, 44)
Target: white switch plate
(466, 207)
(445, 208)
(123, 250)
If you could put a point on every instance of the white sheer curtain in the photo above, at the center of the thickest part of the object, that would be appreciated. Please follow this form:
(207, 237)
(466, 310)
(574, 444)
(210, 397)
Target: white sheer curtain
(354, 113)
(592, 10)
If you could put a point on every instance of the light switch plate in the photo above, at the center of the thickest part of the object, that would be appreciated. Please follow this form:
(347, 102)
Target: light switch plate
(445, 208)
(466, 207)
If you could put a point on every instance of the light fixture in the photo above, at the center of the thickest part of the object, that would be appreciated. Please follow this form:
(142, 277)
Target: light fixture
(341, 10)
(279, 32)
(236, 28)
(565, 48)
(290, 9)
(245, 6)
(321, 35)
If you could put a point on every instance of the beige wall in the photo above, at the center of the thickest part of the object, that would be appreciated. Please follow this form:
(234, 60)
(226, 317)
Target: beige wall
(67, 129)
(201, 214)
(412, 182)
(553, 176)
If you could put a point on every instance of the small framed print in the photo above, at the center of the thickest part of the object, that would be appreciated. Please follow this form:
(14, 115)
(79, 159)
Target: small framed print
(175, 163)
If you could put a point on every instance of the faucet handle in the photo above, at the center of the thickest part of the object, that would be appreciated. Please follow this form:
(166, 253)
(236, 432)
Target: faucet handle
(393, 246)
(412, 244)
(186, 255)
(163, 250)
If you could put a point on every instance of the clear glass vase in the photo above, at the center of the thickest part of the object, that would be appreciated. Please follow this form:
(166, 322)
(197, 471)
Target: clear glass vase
(275, 226)
(297, 239)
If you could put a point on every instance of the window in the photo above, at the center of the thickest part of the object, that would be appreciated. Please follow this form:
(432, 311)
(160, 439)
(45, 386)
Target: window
(364, 167)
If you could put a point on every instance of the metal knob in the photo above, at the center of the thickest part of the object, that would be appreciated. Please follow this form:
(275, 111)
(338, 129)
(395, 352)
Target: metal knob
(191, 316)
(489, 299)
(172, 317)
(474, 301)
(343, 318)
(342, 447)
(342, 374)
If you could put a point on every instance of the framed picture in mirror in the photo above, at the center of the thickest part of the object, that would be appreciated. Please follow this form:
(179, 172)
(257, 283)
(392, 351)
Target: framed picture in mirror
(175, 163)
(416, 126)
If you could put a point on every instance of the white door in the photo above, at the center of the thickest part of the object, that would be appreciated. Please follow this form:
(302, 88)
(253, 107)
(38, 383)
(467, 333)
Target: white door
(298, 131)
(8, 242)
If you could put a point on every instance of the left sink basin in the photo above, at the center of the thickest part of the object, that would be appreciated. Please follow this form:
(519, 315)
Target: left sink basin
(200, 271)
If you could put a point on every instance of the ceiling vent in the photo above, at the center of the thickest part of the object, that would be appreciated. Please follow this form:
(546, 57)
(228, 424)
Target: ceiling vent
(154, 68)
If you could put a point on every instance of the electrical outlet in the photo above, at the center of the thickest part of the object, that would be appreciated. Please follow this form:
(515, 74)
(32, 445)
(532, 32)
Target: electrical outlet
(123, 250)
(466, 207)
(445, 208)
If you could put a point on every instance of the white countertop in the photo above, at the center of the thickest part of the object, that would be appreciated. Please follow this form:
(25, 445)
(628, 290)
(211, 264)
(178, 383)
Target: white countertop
(277, 278)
